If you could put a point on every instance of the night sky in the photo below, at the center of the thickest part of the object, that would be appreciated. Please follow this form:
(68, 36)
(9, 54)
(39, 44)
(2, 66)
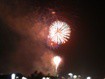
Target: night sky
(21, 43)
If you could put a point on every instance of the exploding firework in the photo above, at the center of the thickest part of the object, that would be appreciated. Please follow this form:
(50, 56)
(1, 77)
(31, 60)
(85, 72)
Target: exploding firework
(57, 61)
(59, 32)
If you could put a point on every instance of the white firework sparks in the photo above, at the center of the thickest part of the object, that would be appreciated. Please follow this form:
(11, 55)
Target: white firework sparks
(57, 61)
(59, 32)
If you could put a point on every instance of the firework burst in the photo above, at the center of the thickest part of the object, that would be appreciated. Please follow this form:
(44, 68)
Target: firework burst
(59, 32)
(57, 61)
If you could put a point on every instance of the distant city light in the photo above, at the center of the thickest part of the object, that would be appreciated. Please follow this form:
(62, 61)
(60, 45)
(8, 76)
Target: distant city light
(88, 78)
(48, 78)
(70, 74)
(24, 78)
(43, 78)
(13, 76)
(75, 76)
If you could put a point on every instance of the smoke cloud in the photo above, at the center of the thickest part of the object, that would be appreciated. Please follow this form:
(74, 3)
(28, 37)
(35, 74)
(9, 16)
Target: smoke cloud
(25, 30)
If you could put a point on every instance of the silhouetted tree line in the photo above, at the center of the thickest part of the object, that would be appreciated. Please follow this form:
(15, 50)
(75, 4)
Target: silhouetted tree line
(35, 75)
(40, 75)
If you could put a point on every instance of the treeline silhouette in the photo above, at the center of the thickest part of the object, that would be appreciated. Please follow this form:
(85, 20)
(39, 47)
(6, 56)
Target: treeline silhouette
(35, 75)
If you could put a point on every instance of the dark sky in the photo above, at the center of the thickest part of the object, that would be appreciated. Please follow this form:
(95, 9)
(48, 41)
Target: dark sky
(83, 54)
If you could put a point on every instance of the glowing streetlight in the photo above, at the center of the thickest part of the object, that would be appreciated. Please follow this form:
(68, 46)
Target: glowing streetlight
(17, 77)
(88, 78)
(13, 76)
(57, 61)
(43, 77)
(24, 78)
(70, 74)
(48, 78)
(75, 76)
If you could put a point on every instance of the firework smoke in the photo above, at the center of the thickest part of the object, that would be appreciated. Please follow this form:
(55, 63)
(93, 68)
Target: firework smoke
(46, 66)
(27, 31)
